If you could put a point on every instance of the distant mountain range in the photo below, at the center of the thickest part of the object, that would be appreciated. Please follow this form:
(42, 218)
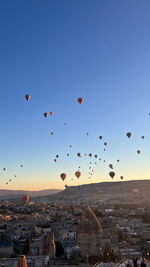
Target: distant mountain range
(114, 190)
(10, 194)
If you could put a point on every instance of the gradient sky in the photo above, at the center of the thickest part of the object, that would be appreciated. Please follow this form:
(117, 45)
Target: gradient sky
(57, 51)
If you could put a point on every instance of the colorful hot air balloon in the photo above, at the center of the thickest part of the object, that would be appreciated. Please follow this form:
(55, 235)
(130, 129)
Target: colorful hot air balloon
(80, 100)
(63, 176)
(27, 97)
(128, 134)
(55, 160)
(25, 199)
(111, 166)
(135, 191)
(45, 114)
(78, 174)
(51, 113)
(112, 174)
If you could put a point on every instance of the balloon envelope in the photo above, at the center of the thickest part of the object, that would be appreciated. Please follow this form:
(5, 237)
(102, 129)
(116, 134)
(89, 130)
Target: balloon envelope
(112, 174)
(27, 97)
(80, 100)
(78, 174)
(25, 198)
(63, 176)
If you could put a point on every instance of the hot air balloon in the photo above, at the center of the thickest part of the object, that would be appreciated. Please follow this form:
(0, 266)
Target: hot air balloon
(111, 166)
(95, 156)
(112, 174)
(95, 162)
(138, 151)
(68, 155)
(55, 160)
(104, 160)
(84, 154)
(80, 100)
(4, 169)
(135, 191)
(63, 176)
(21, 166)
(100, 137)
(79, 167)
(9, 180)
(79, 154)
(99, 158)
(90, 162)
(89, 167)
(52, 133)
(14, 175)
(90, 155)
(57, 156)
(6, 183)
(78, 174)
(45, 114)
(51, 113)
(25, 199)
(65, 123)
(105, 144)
(87, 134)
(104, 149)
(118, 160)
(27, 97)
(142, 136)
(121, 177)
(70, 146)
(129, 134)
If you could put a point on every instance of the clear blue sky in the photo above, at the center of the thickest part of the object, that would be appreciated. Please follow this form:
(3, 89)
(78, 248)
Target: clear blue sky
(57, 51)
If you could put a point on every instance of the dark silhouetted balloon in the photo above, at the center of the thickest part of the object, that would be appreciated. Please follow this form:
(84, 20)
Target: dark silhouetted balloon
(138, 151)
(45, 114)
(112, 174)
(27, 97)
(63, 176)
(100, 137)
(121, 177)
(129, 134)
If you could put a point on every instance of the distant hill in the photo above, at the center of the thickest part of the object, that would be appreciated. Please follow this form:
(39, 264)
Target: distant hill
(9, 194)
(104, 189)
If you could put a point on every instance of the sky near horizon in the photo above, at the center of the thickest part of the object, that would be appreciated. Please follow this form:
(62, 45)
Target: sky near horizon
(57, 51)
